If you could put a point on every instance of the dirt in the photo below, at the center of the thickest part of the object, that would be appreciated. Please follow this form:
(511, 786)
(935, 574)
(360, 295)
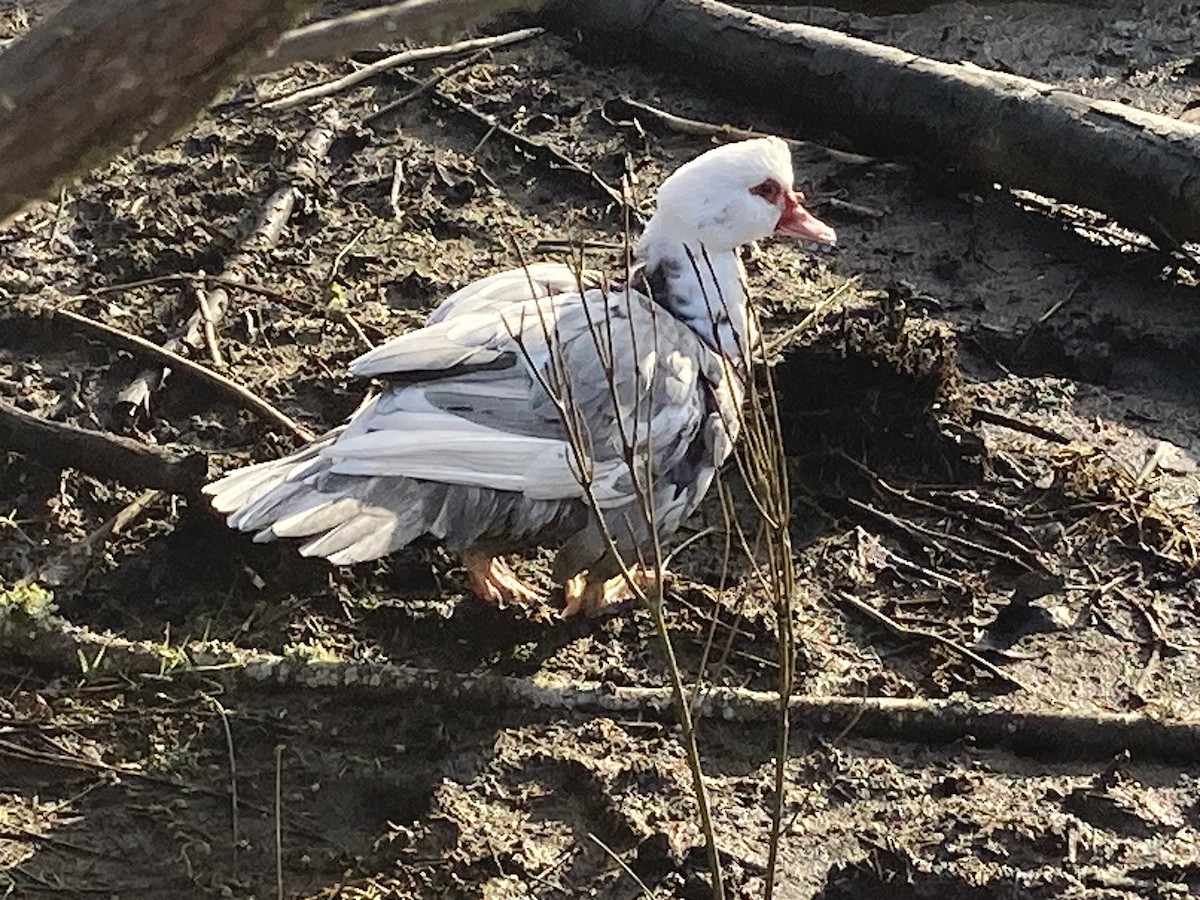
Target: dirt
(1062, 549)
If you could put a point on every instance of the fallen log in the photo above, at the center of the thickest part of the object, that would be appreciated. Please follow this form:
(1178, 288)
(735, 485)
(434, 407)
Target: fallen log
(1141, 168)
(97, 453)
(886, 7)
(29, 630)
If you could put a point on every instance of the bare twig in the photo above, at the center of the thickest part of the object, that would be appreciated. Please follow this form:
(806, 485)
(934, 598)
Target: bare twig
(192, 277)
(683, 125)
(403, 58)
(954, 647)
(1030, 557)
(69, 566)
(611, 854)
(97, 453)
(233, 782)
(394, 191)
(982, 414)
(336, 304)
(1161, 450)
(164, 357)
(638, 458)
(135, 397)
(857, 210)
(209, 320)
(425, 87)
(416, 20)
(279, 748)
(781, 340)
(935, 537)
(567, 245)
(765, 474)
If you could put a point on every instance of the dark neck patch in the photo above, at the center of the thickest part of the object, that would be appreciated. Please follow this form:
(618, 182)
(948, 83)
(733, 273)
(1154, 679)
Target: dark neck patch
(655, 282)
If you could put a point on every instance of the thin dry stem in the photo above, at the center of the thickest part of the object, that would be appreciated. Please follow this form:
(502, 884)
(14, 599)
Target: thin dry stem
(637, 456)
(279, 748)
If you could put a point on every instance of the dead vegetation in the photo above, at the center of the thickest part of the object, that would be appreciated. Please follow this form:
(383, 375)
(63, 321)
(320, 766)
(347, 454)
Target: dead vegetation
(977, 554)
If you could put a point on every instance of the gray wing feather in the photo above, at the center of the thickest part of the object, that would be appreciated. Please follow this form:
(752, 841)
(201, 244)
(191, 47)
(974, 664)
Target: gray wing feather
(466, 455)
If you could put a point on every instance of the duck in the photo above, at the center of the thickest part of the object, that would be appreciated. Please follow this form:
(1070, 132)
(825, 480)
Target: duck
(548, 406)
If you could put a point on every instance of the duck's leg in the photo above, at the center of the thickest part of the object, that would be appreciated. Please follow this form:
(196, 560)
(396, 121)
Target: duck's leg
(492, 580)
(591, 597)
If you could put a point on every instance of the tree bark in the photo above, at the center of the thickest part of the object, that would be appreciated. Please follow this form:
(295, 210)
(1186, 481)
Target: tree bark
(39, 636)
(1141, 168)
(83, 84)
(99, 454)
(888, 7)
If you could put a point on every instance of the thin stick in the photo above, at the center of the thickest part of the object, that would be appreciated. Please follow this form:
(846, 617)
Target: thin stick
(425, 87)
(404, 57)
(279, 748)
(981, 414)
(168, 359)
(413, 20)
(193, 276)
(209, 320)
(935, 536)
(646, 892)
(954, 647)
(557, 384)
(684, 125)
(767, 479)
(233, 781)
(781, 340)
(67, 565)
(397, 183)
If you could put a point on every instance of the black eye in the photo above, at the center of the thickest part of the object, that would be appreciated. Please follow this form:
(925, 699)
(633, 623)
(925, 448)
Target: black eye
(769, 190)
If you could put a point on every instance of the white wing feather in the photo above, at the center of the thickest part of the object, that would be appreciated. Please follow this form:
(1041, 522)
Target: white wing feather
(515, 286)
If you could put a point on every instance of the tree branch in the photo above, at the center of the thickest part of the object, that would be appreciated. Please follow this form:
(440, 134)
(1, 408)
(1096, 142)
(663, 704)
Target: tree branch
(114, 337)
(97, 453)
(416, 20)
(83, 84)
(41, 637)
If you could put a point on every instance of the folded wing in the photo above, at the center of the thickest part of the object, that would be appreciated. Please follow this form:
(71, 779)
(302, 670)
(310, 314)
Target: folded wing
(520, 408)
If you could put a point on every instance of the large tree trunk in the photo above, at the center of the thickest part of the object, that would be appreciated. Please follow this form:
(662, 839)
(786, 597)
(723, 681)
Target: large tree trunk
(1141, 168)
(85, 82)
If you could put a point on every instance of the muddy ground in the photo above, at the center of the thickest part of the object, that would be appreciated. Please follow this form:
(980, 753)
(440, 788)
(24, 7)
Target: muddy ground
(1065, 556)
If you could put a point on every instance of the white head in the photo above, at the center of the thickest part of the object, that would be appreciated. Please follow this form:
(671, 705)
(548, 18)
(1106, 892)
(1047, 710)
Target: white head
(732, 195)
